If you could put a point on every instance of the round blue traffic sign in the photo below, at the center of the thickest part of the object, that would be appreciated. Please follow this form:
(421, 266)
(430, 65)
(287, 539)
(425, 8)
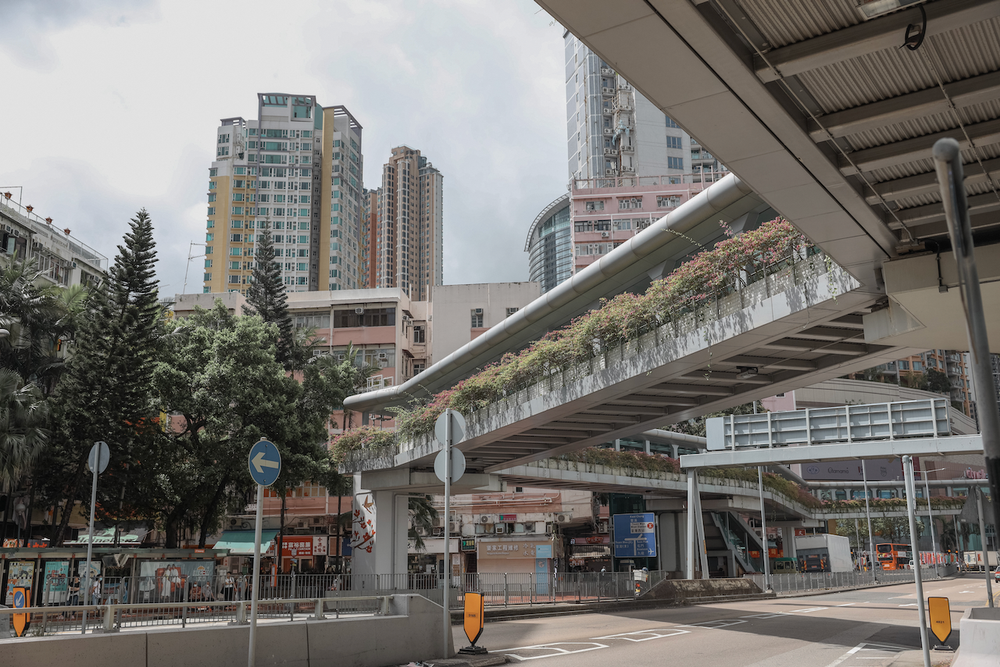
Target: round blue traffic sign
(264, 462)
(19, 599)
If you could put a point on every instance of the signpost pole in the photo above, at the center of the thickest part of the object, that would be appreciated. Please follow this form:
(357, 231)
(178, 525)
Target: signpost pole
(868, 518)
(264, 464)
(446, 578)
(763, 530)
(911, 511)
(255, 577)
(98, 460)
(982, 538)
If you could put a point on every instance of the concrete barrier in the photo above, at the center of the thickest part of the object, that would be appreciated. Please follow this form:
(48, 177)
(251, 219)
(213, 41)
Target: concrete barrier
(679, 590)
(412, 630)
(980, 628)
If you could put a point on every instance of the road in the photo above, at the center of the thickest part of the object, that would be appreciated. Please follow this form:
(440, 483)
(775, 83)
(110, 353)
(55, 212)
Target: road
(847, 629)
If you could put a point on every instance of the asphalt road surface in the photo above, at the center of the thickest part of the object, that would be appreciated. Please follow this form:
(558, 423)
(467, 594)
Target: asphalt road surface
(866, 628)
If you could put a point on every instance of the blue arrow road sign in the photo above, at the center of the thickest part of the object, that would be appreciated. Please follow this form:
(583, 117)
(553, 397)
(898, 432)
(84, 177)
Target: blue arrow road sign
(265, 463)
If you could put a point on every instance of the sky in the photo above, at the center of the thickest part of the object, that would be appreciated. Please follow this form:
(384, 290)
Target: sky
(110, 106)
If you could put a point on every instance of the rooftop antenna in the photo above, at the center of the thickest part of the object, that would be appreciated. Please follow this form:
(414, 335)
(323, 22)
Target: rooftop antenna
(188, 265)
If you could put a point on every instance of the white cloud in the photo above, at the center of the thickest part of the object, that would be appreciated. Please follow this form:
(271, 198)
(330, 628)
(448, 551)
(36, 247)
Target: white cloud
(112, 106)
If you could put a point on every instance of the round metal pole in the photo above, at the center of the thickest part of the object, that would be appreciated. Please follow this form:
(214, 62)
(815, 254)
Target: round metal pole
(255, 576)
(930, 518)
(982, 546)
(911, 511)
(868, 517)
(90, 543)
(951, 181)
(446, 573)
(763, 529)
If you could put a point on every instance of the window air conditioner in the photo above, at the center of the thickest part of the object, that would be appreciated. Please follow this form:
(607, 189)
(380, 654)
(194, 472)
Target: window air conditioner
(485, 518)
(605, 235)
(562, 518)
(500, 529)
(359, 311)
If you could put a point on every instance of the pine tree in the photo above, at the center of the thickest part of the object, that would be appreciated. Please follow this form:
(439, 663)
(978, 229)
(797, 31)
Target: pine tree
(266, 295)
(107, 391)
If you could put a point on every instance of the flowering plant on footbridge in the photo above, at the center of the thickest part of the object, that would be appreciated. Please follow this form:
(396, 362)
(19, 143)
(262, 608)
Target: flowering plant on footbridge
(733, 262)
(360, 439)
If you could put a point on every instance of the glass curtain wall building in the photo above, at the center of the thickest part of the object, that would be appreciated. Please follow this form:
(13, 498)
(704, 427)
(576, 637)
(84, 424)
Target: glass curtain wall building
(550, 245)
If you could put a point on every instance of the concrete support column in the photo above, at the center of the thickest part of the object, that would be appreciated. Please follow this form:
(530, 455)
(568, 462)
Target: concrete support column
(378, 532)
(788, 541)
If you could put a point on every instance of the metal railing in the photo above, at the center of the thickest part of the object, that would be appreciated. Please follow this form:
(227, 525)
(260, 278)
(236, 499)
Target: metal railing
(794, 582)
(52, 620)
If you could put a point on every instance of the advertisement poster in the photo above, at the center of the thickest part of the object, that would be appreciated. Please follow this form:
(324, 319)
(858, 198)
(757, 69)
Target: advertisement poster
(164, 580)
(20, 574)
(55, 586)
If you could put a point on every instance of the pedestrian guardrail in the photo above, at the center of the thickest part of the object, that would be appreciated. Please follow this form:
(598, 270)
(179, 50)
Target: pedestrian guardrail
(815, 581)
(49, 620)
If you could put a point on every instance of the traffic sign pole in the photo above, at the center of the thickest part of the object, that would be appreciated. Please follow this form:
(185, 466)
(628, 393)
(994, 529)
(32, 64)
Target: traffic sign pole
(258, 524)
(446, 602)
(98, 461)
(264, 463)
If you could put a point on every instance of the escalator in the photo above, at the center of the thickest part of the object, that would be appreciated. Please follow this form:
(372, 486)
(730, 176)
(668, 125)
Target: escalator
(726, 532)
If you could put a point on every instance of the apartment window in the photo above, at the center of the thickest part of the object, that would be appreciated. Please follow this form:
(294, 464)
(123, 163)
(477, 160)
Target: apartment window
(477, 318)
(209, 237)
(213, 172)
(208, 277)
(236, 238)
(674, 142)
(419, 334)
(671, 123)
(675, 163)
(237, 196)
(208, 263)
(369, 317)
(303, 266)
(212, 184)
(235, 266)
(511, 311)
(668, 201)
(211, 197)
(595, 206)
(210, 224)
(631, 202)
(211, 210)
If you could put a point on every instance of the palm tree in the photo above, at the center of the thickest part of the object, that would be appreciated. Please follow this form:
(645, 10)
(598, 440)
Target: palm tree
(423, 514)
(23, 415)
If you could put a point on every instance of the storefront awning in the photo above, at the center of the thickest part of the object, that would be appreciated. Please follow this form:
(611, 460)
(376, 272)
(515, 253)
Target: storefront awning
(240, 542)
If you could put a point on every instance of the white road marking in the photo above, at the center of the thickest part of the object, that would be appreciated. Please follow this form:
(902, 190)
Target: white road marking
(555, 649)
(720, 623)
(809, 609)
(846, 604)
(912, 604)
(776, 615)
(646, 635)
(865, 646)
(846, 656)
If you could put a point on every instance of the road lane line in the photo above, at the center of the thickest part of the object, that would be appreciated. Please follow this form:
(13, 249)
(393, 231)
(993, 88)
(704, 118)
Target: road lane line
(846, 604)
(846, 656)
(637, 635)
(554, 647)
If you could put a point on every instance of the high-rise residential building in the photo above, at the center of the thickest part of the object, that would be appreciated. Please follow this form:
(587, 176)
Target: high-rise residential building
(406, 249)
(614, 131)
(369, 229)
(298, 169)
(629, 165)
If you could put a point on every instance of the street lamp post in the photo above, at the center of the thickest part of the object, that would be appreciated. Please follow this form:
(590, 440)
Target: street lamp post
(868, 517)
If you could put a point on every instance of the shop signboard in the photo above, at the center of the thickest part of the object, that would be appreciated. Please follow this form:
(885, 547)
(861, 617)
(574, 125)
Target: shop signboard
(508, 549)
(635, 535)
(468, 544)
(297, 546)
(319, 545)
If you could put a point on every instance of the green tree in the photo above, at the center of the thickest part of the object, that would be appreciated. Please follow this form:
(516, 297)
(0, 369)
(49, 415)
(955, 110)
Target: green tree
(938, 382)
(266, 296)
(220, 376)
(423, 514)
(106, 393)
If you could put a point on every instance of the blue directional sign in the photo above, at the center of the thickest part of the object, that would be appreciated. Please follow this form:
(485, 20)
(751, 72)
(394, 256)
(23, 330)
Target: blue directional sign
(265, 463)
(635, 535)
